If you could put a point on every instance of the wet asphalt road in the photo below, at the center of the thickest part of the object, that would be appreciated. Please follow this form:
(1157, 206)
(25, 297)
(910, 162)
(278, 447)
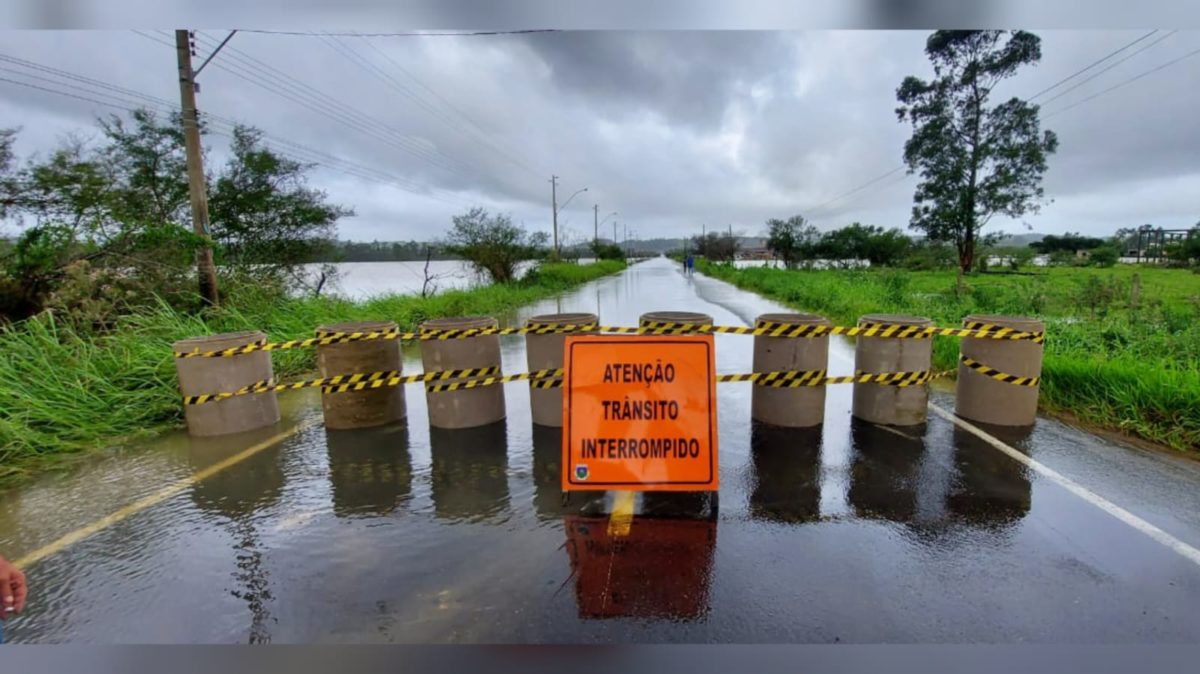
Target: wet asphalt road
(851, 533)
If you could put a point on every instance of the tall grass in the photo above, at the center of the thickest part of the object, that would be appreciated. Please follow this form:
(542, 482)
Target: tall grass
(64, 389)
(1130, 368)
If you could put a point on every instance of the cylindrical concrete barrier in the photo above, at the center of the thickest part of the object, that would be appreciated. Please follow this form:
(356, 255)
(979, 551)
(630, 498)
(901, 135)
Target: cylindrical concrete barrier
(199, 376)
(369, 407)
(798, 407)
(886, 403)
(545, 352)
(464, 408)
(982, 398)
(649, 319)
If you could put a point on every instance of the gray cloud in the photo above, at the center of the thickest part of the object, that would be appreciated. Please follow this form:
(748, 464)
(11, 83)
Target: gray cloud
(672, 129)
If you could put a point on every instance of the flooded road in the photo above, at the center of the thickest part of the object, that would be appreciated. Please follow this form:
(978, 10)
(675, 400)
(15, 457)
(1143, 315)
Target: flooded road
(850, 533)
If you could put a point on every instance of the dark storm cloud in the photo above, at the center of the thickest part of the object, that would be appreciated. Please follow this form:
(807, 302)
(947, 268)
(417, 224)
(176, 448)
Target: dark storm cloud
(672, 129)
(690, 78)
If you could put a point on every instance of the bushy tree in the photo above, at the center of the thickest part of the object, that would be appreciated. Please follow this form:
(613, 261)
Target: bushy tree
(880, 247)
(106, 224)
(975, 160)
(792, 240)
(264, 218)
(715, 246)
(492, 244)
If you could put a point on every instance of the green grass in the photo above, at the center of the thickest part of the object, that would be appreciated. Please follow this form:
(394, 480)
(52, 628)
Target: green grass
(1133, 369)
(63, 390)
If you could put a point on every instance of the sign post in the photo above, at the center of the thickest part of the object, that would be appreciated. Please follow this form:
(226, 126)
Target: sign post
(639, 413)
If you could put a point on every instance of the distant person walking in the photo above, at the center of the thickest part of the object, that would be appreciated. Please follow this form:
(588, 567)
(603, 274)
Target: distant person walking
(691, 264)
(12, 592)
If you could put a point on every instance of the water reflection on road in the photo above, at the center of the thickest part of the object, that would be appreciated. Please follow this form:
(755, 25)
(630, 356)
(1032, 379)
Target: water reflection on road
(847, 532)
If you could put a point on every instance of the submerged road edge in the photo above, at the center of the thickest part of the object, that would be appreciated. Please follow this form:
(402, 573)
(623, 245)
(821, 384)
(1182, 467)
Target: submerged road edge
(1166, 539)
(157, 497)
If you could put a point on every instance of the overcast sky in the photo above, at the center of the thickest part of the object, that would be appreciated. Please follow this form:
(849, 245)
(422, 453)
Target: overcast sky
(671, 129)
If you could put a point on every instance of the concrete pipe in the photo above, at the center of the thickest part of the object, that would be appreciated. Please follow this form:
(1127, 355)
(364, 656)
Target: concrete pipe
(369, 407)
(198, 376)
(982, 398)
(465, 408)
(799, 407)
(545, 352)
(674, 317)
(885, 403)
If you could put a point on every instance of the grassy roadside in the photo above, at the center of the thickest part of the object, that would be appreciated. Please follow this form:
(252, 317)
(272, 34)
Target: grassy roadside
(63, 390)
(1126, 366)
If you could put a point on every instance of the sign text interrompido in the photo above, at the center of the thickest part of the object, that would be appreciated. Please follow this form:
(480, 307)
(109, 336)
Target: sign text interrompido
(639, 413)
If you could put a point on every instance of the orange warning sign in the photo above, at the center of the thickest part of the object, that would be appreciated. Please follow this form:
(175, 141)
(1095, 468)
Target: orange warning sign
(639, 413)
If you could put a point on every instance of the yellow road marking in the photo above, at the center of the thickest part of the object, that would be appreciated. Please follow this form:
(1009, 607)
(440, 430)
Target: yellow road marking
(157, 497)
(622, 514)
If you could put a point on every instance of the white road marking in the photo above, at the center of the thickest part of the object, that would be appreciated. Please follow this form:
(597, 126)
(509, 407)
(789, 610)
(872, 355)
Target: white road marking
(1191, 553)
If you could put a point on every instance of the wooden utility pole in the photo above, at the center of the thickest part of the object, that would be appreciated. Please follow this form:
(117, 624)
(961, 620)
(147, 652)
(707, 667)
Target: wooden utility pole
(595, 224)
(195, 168)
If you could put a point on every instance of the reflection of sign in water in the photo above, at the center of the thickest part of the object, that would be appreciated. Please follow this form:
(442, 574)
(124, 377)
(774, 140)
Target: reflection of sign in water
(661, 569)
(639, 413)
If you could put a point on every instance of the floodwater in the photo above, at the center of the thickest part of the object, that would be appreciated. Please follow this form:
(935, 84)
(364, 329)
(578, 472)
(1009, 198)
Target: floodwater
(850, 533)
(363, 280)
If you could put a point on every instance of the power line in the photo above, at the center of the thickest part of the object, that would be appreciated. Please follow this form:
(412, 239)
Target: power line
(475, 127)
(247, 68)
(409, 34)
(299, 152)
(1093, 64)
(1104, 70)
(1125, 82)
(329, 107)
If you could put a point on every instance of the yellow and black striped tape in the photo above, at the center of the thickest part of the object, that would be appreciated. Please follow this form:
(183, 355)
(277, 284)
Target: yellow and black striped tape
(998, 375)
(537, 379)
(327, 338)
(784, 330)
(551, 378)
(361, 380)
(795, 379)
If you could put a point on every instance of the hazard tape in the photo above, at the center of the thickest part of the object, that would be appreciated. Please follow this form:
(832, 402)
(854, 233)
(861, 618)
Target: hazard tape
(766, 329)
(546, 379)
(796, 379)
(538, 379)
(326, 339)
(366, 380)
(998, 375)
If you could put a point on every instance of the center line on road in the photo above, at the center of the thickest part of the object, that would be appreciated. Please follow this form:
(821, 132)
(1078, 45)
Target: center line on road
(157, 497)
(1191, 553)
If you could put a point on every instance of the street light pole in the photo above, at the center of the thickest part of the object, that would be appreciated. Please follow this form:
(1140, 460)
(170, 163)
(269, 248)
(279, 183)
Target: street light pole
(555, 208)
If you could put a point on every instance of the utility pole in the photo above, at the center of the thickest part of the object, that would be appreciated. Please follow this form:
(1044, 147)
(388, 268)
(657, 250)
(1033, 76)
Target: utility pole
(595, 224)
(195, 168)
(614, 232)
(554, 208)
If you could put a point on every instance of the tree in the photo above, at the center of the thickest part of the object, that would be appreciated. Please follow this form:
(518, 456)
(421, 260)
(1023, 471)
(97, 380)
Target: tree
(975, 161)
(107, 226)
(880, 247)
(264, 218)
(792, 240)
(492, 244)
(716, 247)
(1070, 242)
